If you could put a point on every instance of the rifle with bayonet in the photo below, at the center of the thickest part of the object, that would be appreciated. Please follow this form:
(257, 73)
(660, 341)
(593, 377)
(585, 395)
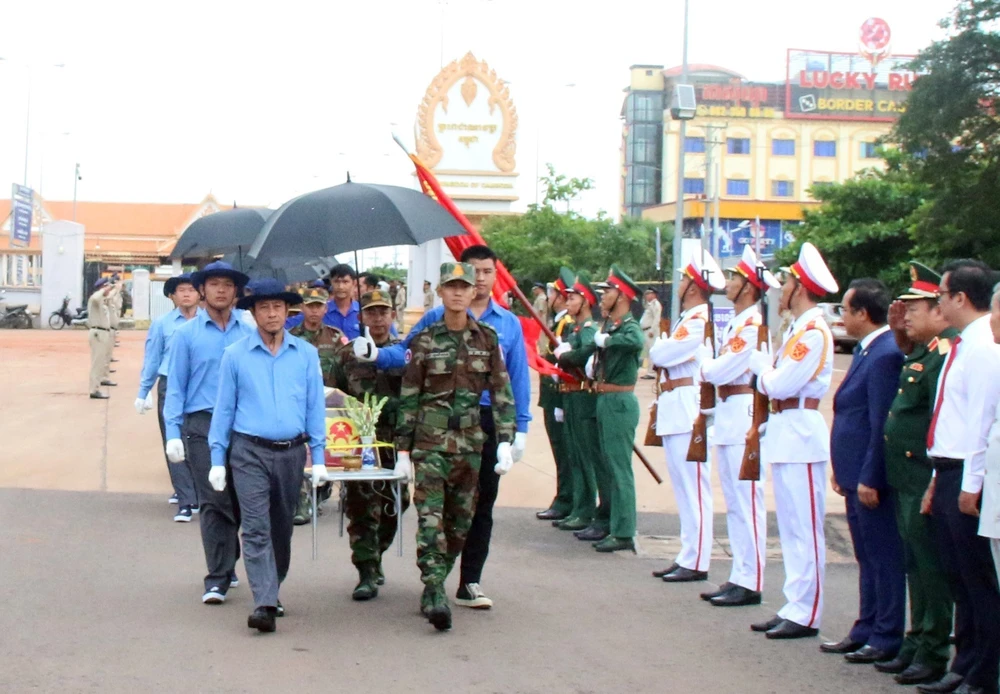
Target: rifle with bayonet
(698, 448)
(750, 467)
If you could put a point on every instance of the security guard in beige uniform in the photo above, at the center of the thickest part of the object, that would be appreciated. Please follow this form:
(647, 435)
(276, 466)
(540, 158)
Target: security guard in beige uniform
(100, 339)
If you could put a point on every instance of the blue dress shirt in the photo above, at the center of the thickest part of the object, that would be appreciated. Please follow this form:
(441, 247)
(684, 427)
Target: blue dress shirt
(195, 354)
(273, 396)
(511, 336)
(335, 319)
(157, 354)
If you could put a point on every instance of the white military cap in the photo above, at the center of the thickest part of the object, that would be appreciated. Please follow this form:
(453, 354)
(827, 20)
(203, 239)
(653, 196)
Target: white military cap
(811, 270)
(700, 262)
(748, 268)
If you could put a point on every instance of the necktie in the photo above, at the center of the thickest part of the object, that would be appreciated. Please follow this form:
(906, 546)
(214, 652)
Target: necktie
(940, 396)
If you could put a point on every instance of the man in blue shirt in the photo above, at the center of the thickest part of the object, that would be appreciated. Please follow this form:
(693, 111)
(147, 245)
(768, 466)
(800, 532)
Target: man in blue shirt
(195, 354)
(154, 370)
(508, 328)
(270, 404)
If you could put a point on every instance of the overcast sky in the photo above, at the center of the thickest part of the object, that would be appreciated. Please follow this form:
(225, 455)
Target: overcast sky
(257, 102)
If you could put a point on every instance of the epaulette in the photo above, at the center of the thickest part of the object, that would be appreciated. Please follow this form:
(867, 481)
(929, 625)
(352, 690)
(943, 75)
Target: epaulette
(587, 324)
(943, 345)
(811, 325)
(753, 320)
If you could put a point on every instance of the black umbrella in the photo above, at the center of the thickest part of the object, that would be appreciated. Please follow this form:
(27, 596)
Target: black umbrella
(221, 232)
(349, 217)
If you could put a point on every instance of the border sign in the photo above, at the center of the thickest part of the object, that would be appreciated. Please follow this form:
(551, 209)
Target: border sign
(21, 212)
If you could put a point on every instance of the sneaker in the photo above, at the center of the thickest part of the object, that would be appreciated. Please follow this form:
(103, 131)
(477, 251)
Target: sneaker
(234, 581)
(183, 515)
(471, 595)
(214, 596)
(172, 499)
(195, 509)
(279, 611)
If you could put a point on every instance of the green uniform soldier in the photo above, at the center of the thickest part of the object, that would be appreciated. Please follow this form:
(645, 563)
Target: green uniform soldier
(370, 506)
(449, 366)
(924, 336)
(551, 402)
(615, 368)
(590, 475)
(327, 340)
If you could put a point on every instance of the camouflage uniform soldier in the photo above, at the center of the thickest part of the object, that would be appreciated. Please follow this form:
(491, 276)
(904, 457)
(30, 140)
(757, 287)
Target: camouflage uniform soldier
(327, 340)
(369, 505)
(450, 365)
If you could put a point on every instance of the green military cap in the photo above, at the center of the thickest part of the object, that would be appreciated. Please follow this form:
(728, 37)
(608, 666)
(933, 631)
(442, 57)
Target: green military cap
(457, 272)
(375, 298)
(315, 295)
(617, 279)
(924, 282)
(582, 286)
(566, 279)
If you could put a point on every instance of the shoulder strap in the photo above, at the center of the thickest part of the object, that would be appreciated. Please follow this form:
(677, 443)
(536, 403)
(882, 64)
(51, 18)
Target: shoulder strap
(790, 345)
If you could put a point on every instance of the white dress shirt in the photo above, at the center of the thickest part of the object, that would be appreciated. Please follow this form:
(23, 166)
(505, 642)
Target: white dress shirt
(732, 367)
(971, 393)
(870, 337)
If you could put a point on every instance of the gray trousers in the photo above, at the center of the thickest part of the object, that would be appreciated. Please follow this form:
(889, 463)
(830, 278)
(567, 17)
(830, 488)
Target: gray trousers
(220, 511)
(267, 483)
(180, 473)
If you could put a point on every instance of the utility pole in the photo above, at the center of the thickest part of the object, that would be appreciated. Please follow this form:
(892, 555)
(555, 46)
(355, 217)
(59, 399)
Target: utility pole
(675, 300)
(707, 234)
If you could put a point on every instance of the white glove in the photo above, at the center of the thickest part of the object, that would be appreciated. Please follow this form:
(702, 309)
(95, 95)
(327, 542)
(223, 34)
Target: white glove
(703, 353)
(520, 442)
(561, 349)
(601, 339)
(589, 368)
(709, 412)
(664, 336)
(762, 428)
(558, 413)
(505, 459)
(175, 451)
(319, 474)
(364, 347)
(217, 478)
(149, 400)
(760, 362)
(141, 405)
(404, 467)
(555, 378)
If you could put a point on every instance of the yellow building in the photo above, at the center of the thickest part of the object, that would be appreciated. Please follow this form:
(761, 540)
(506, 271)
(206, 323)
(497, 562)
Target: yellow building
(755, 147)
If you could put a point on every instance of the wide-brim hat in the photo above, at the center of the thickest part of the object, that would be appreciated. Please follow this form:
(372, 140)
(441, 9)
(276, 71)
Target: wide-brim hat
(218, 269)
(170, 286)
(267, 289)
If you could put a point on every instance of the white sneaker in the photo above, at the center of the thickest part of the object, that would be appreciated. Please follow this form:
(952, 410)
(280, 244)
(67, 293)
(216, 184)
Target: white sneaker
(214, 596)
(183, 515)
(234, 581)
(471, 595)
(172, 499)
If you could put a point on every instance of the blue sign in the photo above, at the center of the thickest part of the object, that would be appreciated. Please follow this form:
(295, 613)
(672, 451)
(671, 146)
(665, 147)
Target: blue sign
(21, 211)
(721, 315)
(733, 234)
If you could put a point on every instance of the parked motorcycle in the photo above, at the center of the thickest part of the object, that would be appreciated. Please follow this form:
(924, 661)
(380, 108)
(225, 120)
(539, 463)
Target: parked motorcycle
(13, 316)
(81, 317)
(61, 318)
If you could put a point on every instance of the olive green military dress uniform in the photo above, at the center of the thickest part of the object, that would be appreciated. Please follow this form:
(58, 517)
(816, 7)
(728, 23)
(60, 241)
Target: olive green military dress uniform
(908, 471)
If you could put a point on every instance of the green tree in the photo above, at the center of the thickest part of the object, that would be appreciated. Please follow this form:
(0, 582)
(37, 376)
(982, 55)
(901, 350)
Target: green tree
(389, 272)
(951, 122)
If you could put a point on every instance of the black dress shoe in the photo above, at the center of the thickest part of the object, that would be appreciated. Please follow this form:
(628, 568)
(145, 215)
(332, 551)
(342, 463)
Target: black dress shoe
(866, 655)
(845, 645)
(106, 382)
(895, 666)
(709, 594)
(550, 514)
(918, 674)
(660, 573)
(99, 396)
(591, 534)
(262, 619)
(768, 625)
(949, 683)
(682, 575)
(736, 596)
(790, 630)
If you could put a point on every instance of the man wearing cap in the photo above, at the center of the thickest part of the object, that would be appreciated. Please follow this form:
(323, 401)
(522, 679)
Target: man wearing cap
(650, 324)
(550, 400)
(114, 300)
(192, 386)
(327, 340)
(746, 515)
(270, 406)
(796, 443)
(677, 360)
(371, 525)
(154, 370)
(589, 476)
(615, 368)
(924, 336)
(451, 364)
(861, 406)
(99, 327)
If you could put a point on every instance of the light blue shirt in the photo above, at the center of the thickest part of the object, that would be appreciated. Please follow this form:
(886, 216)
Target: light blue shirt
(195, 354)
(273, 396)
(508, 329)
(157, 355)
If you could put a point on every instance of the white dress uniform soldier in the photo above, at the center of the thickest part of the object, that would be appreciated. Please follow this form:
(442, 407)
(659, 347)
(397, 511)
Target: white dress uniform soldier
(796, 443)
(678, 361)
(746, 515)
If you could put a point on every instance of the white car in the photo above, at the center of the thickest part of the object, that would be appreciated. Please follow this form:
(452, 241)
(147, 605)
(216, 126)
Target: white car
(832, 314)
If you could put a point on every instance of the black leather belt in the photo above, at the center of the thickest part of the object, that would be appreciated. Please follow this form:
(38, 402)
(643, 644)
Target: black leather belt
(947, 463)
(94, 327)
(276, 445)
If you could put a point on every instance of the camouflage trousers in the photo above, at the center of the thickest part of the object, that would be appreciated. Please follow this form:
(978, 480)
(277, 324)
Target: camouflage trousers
(371, 518)
(445, 490)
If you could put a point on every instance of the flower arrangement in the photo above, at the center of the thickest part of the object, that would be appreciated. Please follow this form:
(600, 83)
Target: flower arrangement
(365, 412)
